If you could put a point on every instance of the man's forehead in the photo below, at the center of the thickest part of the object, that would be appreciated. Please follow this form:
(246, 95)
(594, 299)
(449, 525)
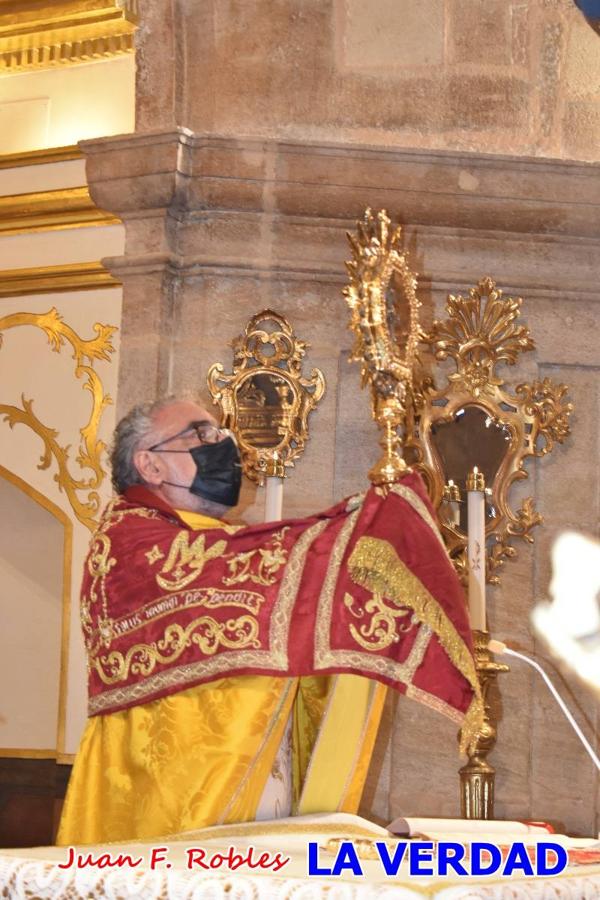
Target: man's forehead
(176, 416)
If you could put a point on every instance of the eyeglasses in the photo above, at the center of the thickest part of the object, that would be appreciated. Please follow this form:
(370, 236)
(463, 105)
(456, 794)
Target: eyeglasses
(206, 432)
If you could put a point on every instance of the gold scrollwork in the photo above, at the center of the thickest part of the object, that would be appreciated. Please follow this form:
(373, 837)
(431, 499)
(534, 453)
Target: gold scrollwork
(90, 448)
(381, 630)
(206, 632)
(259, 566)
(481, 331)
(266, 400)
(99, 560)
(384, 309)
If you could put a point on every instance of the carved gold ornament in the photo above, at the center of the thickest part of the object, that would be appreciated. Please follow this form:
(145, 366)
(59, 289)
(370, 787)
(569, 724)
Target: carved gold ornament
(384, 318)
(266, 400)
(90, 450)
(474, 415)
(48, 33)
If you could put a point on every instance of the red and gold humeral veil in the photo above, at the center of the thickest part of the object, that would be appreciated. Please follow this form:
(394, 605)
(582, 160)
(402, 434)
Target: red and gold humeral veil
(366, 587)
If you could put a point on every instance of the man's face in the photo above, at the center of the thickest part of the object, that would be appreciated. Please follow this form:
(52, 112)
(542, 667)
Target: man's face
(172, 436)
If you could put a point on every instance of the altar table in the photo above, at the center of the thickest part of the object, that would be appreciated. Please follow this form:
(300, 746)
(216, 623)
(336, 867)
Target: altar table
(33, 873)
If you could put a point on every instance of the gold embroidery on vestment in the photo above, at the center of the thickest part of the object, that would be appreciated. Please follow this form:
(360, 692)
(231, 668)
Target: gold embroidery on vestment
(259, 566)
(113, 516)
(435, 703)
(274, 658)
(420, 508)
(375, 565)
(380, 631)
(323, 657)
(154, 555)
(186, 561)
(142, 659)
(209, 598)
(288, 592)
(99, 561)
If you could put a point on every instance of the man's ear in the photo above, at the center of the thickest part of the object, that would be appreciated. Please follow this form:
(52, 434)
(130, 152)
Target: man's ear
(148, 467)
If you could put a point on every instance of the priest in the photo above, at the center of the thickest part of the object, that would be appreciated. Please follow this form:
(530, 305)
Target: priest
(240, 672)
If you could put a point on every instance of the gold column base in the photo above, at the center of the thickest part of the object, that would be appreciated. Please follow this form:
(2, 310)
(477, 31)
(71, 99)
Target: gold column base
(477, 777)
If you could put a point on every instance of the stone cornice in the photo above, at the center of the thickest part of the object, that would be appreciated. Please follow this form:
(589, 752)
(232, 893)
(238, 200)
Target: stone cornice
(189, 173)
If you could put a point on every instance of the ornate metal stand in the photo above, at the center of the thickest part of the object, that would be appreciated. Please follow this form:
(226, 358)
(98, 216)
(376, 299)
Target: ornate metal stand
(478, 776)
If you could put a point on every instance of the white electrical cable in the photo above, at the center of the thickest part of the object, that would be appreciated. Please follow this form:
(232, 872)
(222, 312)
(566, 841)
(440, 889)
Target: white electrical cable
(500, 648)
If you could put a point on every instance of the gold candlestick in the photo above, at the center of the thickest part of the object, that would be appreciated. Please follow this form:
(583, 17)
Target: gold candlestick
(477, 777)
(450, 506)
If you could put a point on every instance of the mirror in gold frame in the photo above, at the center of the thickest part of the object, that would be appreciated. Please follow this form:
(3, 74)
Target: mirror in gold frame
(265, 401)
(474, 420)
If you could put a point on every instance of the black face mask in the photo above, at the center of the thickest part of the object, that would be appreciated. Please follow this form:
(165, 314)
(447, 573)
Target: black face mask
(218, 472)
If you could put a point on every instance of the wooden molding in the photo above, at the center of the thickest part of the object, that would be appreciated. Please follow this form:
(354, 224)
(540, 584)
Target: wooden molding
(51, 210)
(40, 157)
(46, 279)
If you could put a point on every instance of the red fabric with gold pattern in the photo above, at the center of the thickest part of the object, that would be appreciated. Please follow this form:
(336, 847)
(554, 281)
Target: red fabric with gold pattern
(365, 587)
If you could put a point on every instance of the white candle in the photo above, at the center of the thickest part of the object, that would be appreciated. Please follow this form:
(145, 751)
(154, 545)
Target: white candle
(476, 548)
(273, 499)
(276, 799)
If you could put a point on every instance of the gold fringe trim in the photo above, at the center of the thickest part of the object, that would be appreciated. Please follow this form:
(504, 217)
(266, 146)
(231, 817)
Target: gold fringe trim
(375, 565)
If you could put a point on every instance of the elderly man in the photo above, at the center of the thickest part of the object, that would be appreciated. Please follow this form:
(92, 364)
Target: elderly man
(201, 755)
(227, 664)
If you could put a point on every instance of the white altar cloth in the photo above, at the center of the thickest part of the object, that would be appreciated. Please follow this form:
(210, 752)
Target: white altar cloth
(33, 873)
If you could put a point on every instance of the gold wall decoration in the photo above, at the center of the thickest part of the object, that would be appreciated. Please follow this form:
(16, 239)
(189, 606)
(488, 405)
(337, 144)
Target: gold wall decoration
(51, 279)
(40, 157)
(51, 210)
(266, 400)
(37, 34)
(384, 318)
(85, 353)
(474, 420)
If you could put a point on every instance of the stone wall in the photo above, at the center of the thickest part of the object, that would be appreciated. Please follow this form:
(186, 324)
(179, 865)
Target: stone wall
(492, 76)
(264, 130)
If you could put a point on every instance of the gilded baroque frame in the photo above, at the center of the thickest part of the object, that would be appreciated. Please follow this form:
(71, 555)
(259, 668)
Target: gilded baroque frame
(480, 332)
(268, 348)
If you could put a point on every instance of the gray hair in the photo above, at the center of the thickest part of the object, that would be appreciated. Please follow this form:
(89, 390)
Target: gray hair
(131, 431)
